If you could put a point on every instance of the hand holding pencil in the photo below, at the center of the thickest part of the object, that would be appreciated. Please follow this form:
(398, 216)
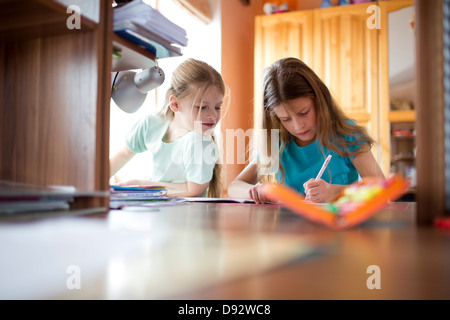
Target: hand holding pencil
(324, 166)
(316, 189)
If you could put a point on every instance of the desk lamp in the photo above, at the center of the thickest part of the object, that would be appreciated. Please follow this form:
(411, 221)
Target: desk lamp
(129, 90)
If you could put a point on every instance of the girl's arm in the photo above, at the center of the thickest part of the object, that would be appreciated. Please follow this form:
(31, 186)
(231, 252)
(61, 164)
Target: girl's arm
(119, 159)
(188, 189)
(243, 186)
(367, 166)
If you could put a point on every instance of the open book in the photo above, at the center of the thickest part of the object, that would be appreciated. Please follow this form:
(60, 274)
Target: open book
(216, 200)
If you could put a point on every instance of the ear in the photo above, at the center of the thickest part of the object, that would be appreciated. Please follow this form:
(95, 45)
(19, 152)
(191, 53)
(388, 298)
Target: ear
(173, 103)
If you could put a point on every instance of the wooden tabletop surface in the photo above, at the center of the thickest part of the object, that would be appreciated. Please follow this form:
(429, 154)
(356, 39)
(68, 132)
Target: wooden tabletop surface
(222, 251)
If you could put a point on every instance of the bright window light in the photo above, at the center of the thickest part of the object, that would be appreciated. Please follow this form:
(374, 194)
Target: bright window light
(204, 43)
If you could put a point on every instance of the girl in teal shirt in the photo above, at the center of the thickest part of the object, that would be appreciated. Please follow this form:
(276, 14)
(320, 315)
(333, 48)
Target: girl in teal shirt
(311, 127)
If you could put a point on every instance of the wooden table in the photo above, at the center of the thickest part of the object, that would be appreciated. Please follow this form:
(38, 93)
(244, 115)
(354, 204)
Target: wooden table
(222, 251)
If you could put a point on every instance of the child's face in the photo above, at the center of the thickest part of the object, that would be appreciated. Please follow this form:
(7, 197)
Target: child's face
(298, 116)
(202, 118)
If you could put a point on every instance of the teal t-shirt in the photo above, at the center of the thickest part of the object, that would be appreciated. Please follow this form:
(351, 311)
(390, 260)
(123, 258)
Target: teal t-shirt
(303, 163)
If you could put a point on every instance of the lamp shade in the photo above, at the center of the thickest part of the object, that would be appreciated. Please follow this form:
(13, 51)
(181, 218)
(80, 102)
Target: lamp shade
(149, 79)
(130, 88)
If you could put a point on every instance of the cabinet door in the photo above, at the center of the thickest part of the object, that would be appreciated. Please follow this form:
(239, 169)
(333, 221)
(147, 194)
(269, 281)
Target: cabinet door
(279, 36)
(346, 60)
(283, 35)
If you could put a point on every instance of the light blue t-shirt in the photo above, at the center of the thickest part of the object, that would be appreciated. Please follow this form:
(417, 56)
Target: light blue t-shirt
(304, 163)
(190, 158)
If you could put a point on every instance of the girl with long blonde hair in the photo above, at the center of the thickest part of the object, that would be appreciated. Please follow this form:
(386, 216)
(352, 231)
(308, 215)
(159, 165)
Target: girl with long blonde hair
(180, 137)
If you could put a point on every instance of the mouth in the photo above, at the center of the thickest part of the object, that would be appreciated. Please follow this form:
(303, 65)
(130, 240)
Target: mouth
(208, 124)
(303, 133)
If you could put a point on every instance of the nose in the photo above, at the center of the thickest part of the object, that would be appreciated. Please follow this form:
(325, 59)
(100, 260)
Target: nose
(212, 114)
(299, 124)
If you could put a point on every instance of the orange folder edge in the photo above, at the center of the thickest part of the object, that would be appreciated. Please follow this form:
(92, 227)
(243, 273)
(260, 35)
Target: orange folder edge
(296, 202)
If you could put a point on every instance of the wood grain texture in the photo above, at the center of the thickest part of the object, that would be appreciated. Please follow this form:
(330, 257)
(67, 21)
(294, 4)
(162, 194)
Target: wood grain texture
(30, 19)
(199, 8)
(55, 100)
(51, 94)
(133, 56)
(430, 111)
(413, 260)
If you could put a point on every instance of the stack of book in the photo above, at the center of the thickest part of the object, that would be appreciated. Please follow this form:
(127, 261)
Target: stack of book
(141, 24)
(20, 197)
(136, 196)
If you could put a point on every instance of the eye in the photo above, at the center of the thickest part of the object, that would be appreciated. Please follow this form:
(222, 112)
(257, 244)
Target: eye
(284, 119)
(218, 108)
(305, 113)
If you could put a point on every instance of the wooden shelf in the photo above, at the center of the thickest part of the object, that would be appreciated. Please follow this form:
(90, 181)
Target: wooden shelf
(411, 137)
(30, 19)
(54, 85)
(55, 94)
(403, 157)
(133, 56)
(402, 116)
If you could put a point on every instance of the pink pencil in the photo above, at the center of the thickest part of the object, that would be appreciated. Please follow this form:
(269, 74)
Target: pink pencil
(324, 166)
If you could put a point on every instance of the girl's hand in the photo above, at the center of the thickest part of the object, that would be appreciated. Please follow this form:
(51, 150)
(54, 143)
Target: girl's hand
(257, 194)
(317, 190)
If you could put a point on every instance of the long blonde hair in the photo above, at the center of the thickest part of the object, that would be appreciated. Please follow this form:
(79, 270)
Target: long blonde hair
(289, 79)
(189, 76)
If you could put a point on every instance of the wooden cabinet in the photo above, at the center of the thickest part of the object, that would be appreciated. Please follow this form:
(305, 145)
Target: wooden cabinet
(403, 146)
(346, 60)
(278, 36)
(345, 53)
(283, 35)
(55, 95)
